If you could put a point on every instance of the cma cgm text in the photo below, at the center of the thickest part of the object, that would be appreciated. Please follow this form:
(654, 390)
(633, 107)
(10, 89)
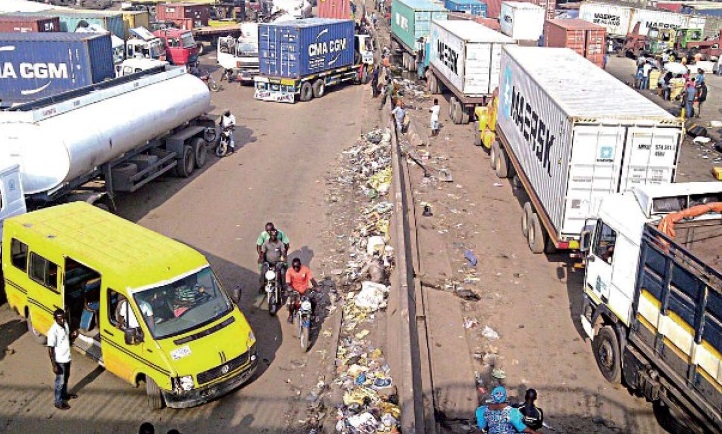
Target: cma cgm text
(321, 48)
(34, 70)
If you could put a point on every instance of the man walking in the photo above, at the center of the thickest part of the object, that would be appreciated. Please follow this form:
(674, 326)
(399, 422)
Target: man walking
(59, 339)
(435, 109)
(375, 81)
(399, 114)
(689, 97)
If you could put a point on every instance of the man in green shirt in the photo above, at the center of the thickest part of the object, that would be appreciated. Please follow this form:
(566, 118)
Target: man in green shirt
(262, 238)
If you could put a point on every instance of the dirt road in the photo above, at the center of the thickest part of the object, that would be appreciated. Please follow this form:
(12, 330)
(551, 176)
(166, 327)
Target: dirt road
(276, 175)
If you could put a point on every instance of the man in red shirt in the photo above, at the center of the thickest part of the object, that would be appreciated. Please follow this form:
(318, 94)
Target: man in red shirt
(298, 279)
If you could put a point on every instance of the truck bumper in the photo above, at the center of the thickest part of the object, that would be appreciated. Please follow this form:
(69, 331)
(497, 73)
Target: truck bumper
(207, 393)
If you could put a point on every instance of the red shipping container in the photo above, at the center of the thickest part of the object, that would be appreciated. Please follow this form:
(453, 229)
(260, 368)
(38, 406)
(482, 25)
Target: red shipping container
(17, 23)
(493, 8)
(587, 39)
(486, 22)
(183, 13)
(340, 9)
(670, 6)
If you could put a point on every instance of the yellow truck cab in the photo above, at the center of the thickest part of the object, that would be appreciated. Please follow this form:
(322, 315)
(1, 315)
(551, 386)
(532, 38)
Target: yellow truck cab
(148, 308)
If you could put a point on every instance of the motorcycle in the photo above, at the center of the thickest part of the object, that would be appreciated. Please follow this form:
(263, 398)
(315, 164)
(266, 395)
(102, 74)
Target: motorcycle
(225, 143)
(304, 314)
(273, 286)
(206, 78)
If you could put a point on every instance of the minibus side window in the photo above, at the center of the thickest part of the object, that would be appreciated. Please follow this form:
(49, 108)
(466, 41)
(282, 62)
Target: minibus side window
(113, 300)
(19, 254)
(44, 272)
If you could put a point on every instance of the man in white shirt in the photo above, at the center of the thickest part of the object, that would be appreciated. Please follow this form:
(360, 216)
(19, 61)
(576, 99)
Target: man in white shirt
(229, 121)
(435, 109)
(127, 319)
(59, 339)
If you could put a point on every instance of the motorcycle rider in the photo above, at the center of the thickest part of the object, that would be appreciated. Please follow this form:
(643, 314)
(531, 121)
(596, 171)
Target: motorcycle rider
(298, 279)
(274, 257)
(264, 236)
(229, 121)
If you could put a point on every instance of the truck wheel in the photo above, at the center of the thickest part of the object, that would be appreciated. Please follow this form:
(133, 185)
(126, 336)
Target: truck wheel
(452, 103)
(200, 151)
(535, 237)
(319, 88)
(526, 218)
(152, 391)
(464, 114)
(501, 165)
(477, 134)
(492, 154)
(37, 336)
(186, 163)
(306, 92)
(201, 48)
(606, 352)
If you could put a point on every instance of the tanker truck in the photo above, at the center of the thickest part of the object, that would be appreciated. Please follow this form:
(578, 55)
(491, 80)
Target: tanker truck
(117, 136)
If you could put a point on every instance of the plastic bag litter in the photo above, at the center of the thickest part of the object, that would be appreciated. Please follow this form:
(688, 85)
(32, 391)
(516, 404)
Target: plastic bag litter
(375, 243)
(372, 296)
(362, 420)
(388, 420)
(489, 333)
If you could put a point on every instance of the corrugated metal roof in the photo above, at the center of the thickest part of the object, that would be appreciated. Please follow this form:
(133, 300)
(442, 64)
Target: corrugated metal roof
(422, 5)
(581, 88)
(472, 31)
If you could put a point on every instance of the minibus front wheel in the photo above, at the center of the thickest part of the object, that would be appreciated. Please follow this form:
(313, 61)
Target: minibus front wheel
(155, 399)
(37, 336)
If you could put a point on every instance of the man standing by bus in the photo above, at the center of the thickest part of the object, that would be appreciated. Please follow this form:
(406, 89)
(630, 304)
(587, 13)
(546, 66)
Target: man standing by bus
(59, 339)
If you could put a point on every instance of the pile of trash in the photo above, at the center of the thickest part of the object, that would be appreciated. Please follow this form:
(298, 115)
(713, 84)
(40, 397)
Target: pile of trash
(366, 398)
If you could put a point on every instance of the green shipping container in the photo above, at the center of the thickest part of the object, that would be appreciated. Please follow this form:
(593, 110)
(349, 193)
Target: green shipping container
(411, 20)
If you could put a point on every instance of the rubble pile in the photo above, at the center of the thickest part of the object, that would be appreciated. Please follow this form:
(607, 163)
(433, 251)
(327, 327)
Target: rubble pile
(366, 399)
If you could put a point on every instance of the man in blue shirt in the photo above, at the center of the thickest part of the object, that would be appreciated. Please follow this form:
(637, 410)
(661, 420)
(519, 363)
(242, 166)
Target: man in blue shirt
(498, 417)
(690, 93)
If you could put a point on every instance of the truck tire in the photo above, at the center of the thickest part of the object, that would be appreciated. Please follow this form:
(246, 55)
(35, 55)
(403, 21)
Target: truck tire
(37, 336)
(607, 354)
(492, 154)
(152, 391)
(477, 134)
(201, 48)
(306, 92)
(186, 163)
(452, 103)
(501, 165)
(535, 237)
(526, 218)
(200, 151)
(464, 114)
(319, 88)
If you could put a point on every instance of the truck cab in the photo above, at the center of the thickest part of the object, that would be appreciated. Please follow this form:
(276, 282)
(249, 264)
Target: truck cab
(180, 46)
(147, 308)
(364, 46)
(144, 44)
(136, 65)
(653, 296)
(240, 55)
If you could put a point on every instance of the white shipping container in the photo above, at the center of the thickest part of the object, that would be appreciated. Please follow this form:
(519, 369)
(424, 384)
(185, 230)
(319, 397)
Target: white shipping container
(467, 54)
(615, 18)
(620, 20)
(522, 21)
(581, 135)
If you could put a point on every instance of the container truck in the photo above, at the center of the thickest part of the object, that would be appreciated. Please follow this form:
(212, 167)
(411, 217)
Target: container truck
(240, 55)
(117, 136)
(620, 19)
(300, 59)
(24, 23)
(180, 46)
(195, 17)
(585, 38)
(653, 298)
(522, 21)
(37, 65)
(471, 7)
(570, 143)
(465, 61)
(410, 26)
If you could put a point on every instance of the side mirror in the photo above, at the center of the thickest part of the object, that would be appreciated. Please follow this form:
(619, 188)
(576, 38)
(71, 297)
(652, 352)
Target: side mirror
(133, 336)
(585, 242)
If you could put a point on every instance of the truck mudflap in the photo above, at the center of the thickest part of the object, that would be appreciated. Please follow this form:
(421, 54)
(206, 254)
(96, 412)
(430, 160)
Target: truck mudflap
(212, 391)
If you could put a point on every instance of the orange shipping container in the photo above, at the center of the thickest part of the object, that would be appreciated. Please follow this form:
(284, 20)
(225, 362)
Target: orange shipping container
(585, 38)
(340, 9)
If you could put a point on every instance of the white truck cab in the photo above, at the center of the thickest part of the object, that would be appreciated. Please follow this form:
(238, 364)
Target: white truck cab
(240, 55)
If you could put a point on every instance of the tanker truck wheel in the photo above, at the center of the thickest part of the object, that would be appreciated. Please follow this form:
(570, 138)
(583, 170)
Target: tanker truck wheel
(186, 163)
(200, 151)
(306, 92)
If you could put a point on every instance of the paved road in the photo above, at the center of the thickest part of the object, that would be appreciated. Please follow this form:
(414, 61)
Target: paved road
(277, 175)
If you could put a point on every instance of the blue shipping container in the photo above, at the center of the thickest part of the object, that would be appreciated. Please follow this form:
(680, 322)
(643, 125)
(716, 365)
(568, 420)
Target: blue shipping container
(472, 7)
(38, 65)
(295, 49)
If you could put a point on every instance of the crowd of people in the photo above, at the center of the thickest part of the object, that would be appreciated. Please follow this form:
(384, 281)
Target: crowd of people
(677, 84)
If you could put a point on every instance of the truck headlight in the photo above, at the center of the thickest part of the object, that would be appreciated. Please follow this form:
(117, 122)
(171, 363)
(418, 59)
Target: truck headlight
(186, 382)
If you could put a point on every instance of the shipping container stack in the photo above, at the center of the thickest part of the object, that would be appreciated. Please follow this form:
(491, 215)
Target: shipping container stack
(186, 16)
(522, 21)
